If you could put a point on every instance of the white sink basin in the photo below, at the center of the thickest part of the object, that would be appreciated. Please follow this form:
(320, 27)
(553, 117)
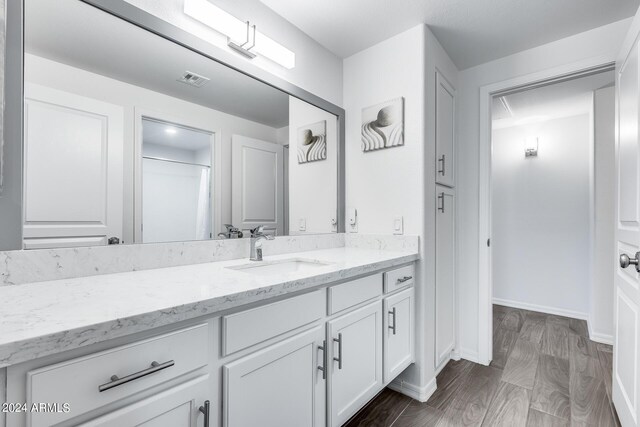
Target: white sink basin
(284, 266)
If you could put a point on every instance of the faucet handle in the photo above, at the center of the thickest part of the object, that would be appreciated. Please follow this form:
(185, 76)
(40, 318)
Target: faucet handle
(258, 231)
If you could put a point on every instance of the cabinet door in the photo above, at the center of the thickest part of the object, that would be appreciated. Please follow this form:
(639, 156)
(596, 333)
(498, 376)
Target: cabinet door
(278, 386)
(445, 279)
(355, 358)
(176, 407)
(398, 333)
(445, 137)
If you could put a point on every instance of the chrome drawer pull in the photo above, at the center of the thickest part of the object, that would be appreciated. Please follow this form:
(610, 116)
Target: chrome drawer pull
(441, 161)
(339, 358)
(115, 381)
(393, 314)
(404, 279)
(324, 359)
(206, 410)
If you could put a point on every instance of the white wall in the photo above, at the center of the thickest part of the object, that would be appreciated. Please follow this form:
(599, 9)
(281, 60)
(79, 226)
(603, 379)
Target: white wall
(386, 183)
(541, 216)
(74, 80)
(601, 304)
(317, 70)
(313, 187)
(600, 44)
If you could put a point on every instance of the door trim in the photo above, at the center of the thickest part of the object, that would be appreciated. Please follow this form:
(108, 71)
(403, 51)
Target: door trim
(554, 75)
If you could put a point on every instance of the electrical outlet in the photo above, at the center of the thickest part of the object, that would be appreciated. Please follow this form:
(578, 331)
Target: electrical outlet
(334, 225)
(302, 224)
(398, 225)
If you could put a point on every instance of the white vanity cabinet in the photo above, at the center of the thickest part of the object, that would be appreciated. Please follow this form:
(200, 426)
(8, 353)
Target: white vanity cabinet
(398, 333)
(280, 385)
(309, 360)
(355, 360)
(180, 406)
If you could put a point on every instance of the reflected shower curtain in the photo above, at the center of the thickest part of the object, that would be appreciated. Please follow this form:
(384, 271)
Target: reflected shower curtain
(203, 218)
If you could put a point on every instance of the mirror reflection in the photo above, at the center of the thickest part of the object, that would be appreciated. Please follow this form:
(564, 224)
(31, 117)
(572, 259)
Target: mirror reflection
(131, 138)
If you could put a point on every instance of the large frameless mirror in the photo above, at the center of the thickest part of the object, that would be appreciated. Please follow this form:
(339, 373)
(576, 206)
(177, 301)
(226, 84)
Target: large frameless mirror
(130, 137)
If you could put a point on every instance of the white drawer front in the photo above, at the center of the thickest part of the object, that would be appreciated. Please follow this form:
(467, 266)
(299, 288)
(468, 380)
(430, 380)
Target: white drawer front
(353, 293)
(77, 381)
(250, 327)
(399, 278)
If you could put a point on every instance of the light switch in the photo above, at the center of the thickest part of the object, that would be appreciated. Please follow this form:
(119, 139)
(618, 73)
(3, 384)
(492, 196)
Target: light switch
(302, 224)
(352, 220)
(398, 225)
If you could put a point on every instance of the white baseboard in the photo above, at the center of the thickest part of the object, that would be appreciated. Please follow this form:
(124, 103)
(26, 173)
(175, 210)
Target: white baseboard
(542, 308)
(593, 336)
(421, 394)
(599, 337)
(470, 355)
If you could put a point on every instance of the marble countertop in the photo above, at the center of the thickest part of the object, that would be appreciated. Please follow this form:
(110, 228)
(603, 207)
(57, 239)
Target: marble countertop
(43, 318)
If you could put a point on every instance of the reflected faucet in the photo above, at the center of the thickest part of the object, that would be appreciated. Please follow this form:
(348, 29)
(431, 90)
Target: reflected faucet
(257, 235)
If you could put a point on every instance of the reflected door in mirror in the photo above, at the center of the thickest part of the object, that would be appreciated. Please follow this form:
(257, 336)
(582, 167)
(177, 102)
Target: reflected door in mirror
(73, 169)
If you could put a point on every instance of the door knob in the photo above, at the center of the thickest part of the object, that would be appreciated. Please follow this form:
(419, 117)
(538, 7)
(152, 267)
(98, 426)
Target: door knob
(625, 261)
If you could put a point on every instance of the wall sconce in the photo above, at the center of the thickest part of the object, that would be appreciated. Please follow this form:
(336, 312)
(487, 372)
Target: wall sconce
(242, 37)
(531, 146)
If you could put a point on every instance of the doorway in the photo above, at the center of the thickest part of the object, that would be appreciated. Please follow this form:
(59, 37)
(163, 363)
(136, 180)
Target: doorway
(176, 203)
(523, 155)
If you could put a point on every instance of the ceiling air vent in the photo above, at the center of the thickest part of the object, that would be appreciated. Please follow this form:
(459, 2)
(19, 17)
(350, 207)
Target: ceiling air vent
(193, 79)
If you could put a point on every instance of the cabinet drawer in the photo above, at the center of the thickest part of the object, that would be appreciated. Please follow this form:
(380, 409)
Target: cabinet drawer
(399, 278)
(250, 327)
(353, 293)
(77, 382)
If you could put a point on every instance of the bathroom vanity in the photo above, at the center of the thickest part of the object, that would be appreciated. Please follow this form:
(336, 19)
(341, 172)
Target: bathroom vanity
(300, 339)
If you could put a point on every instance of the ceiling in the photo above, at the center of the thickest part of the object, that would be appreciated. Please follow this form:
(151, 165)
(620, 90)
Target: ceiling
(557, 100)
(471, 31)
(79, 35)
(169, 135)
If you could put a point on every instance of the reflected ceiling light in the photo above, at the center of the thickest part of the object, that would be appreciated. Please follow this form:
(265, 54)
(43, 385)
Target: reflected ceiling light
(171, 131)
(531, 146)
(241, 36)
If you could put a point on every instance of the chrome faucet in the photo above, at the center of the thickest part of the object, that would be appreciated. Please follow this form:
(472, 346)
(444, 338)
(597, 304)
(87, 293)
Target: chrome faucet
(257, 235)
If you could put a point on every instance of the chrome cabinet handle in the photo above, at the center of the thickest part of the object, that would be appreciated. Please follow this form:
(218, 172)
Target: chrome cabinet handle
(626, 261)
(404, 279)
(393, 315)
(206, 410)
(115, 381)
(339, 358)
(323, 368)
(442, 162)
(441, 201)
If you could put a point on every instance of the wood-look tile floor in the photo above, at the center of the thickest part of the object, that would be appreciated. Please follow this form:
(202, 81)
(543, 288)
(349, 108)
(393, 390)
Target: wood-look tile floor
(545, 372)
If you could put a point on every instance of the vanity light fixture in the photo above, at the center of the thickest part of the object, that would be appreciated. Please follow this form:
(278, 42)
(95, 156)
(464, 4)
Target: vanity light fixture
(242, 37)
(531, 146)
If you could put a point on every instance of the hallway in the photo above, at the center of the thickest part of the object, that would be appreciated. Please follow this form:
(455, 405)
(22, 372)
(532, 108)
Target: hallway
(545, 372)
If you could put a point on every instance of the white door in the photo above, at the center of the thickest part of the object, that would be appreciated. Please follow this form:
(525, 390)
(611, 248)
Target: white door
(627, 280)
(445, 138)
(278, 386)
(177, 407)
(445, 267)
(398, 333)
(72, 169)
(355, 361)
(257, 184)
